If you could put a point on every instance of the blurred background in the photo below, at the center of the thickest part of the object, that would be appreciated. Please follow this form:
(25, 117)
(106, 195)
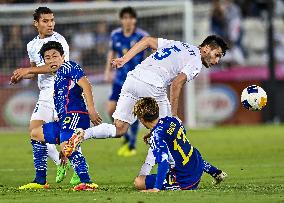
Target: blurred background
(254, 30)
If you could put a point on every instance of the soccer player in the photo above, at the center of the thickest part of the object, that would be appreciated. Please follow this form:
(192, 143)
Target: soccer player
(44, 111)
(122, 39)
(173, 64)
(70, 83)
(168, 141)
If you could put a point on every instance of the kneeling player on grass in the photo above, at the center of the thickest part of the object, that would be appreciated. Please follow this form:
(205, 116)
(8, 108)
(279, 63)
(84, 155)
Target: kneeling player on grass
(70, 83)
(168, 142)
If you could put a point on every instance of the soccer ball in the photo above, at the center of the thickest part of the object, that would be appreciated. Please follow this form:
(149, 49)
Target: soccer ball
(254, 98)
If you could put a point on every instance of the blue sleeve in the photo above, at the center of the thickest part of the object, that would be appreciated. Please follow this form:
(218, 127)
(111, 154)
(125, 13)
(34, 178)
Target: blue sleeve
(161, 154)
(163, 168)
(76, 73)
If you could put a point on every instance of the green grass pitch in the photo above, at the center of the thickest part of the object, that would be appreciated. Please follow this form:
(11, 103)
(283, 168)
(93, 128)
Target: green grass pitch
(252, 156)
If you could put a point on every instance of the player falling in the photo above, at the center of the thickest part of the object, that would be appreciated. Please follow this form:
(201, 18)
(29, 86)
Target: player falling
(70, 82)
(122, 39)
(173, 64)
(44, 110)
(168, 143)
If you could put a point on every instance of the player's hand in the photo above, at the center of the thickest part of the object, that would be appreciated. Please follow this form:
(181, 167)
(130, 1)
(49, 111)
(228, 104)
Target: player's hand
(118, 62)
(146, 138)
(151, 190)
(19, 74)
(108, 76)
(95, 118)
(13, 80)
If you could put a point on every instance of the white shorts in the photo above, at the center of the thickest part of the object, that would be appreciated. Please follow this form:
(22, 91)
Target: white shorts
(134, 89)
(44, 111)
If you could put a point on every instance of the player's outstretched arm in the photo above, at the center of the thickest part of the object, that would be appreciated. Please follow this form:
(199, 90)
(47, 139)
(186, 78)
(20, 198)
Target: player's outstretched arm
(143, 44)
(88, 94)
(31, 72)
(175, 92)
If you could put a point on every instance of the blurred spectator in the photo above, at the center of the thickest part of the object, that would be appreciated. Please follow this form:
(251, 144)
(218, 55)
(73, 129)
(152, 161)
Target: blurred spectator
(218, 21)
(234, 32)
(13, 52)
(226, 21)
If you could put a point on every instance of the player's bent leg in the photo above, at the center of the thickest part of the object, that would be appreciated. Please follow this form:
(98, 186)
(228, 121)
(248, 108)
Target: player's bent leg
(139, 182)
(40, 160)
(216, 173)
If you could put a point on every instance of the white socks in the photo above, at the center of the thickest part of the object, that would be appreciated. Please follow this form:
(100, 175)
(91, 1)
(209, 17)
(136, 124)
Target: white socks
(53, 153)
(101, 131)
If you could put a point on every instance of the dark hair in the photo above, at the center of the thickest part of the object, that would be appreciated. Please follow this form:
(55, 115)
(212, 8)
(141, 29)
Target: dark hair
(146, 108)
(51, 45)
(128, 10)
(215, 41)
(41, 10)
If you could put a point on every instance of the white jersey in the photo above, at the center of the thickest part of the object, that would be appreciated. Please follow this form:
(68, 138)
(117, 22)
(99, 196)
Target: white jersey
(45, 81)
(171, 59)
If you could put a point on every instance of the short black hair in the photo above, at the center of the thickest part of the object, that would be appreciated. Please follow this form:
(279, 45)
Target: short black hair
(215, 41)
(128, 10)
(51, 45)
(41, 10)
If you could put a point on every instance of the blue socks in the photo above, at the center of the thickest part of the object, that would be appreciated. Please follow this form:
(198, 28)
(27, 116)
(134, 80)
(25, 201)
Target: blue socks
(131, 135)
(210, 169)
(79, 164)
(40, 161)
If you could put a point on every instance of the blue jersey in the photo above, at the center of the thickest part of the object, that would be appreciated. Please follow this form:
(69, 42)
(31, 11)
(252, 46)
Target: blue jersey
(168, 141)
(67, 93)
(121, 44)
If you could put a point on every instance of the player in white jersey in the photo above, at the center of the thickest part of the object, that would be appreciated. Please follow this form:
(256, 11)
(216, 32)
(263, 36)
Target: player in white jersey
(44, 111)
(173, 64)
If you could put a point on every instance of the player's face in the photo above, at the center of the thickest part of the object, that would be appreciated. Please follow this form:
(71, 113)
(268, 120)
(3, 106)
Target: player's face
(127, 21)
(211, 56)
(53, 57)
(45, 24)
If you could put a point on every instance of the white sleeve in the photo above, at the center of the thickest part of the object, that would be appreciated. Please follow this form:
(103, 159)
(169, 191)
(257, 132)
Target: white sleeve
(148, 164)
(65, 48)
(30, 54)
(192, 70)
(163, 42)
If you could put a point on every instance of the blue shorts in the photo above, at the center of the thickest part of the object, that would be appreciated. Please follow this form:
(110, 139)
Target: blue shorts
(170, 183)
(62, 130)
(116, 89)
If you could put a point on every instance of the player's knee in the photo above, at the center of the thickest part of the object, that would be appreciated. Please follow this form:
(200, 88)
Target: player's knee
(35, 134)
(139, 183)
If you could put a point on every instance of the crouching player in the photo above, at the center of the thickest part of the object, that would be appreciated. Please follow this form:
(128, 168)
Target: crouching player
(168, 142)
(70, 82)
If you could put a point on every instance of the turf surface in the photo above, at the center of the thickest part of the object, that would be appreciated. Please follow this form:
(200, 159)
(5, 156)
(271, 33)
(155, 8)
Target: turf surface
(252, 156)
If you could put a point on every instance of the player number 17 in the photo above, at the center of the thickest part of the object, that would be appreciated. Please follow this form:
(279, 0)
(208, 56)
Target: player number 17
(181, 136)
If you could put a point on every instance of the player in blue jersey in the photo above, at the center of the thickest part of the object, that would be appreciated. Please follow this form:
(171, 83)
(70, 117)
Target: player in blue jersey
(122, 39)
(69, 84)
(168, 143)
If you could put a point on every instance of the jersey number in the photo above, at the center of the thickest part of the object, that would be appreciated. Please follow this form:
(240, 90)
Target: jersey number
(165, 52)
(181, 137)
